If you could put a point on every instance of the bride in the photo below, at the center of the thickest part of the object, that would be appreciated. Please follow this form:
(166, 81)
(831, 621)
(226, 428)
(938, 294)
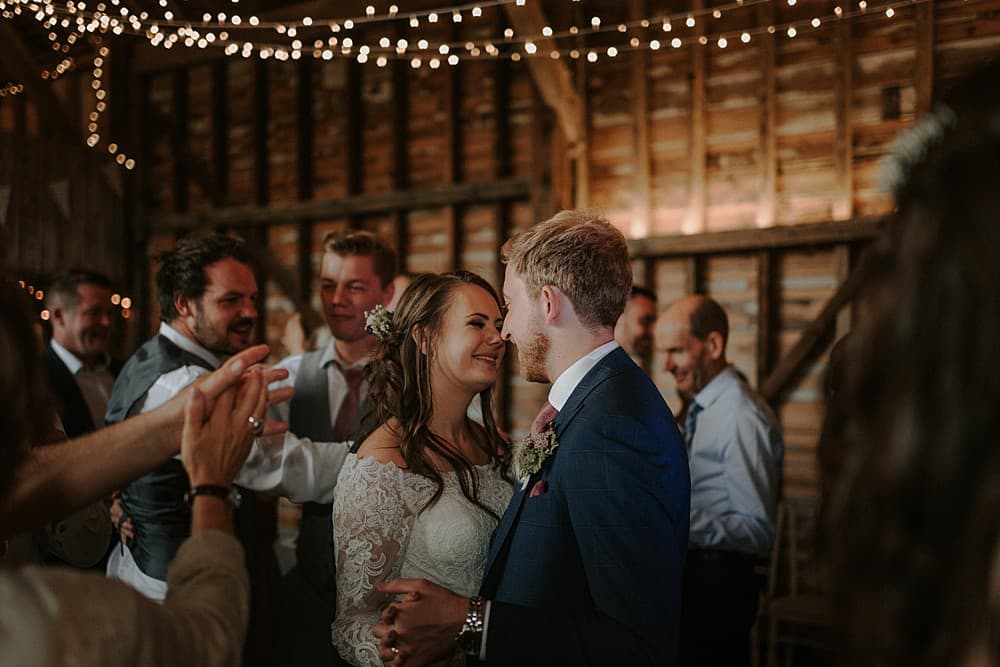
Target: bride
(427, 486)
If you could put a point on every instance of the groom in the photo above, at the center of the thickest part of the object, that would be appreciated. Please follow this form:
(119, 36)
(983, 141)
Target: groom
(585, 565)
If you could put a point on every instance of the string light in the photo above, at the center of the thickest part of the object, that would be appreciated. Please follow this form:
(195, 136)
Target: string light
(167, 32)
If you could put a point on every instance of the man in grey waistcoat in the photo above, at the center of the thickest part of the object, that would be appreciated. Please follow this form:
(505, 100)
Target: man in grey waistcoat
(207, 293)
(330, 389)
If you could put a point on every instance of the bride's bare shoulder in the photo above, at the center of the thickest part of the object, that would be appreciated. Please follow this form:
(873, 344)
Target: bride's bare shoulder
(382, 445)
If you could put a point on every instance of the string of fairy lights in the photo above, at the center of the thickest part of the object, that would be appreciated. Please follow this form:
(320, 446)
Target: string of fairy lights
(123, 303)
(325, 38)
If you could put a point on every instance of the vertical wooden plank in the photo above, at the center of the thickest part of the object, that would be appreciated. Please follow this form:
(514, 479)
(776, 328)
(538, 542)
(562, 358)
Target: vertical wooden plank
(400, 148)
(261, 178)
(544, 177)
(642, 193)
(354, 134)
(766, 333)
(452, 171)
(580, 153)
(144, 159)
(504, 166)
(768, 164)
(220, 131)
(693, 275)
(925, 56)
(305, 181)
(695, 221)
(843, 257)
(179, 139)
(257, 236)
(842, 205)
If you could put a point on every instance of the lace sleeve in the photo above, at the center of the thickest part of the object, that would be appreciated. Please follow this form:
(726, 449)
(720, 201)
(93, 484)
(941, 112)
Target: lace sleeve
(374, 508)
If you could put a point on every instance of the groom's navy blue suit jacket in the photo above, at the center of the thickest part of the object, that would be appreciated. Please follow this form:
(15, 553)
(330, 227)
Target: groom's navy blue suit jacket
(589, 572)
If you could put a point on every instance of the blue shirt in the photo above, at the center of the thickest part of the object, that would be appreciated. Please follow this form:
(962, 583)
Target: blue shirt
(735, 462)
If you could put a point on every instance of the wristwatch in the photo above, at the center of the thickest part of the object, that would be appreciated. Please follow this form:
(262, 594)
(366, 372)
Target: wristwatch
(470, 637)
(228, 493)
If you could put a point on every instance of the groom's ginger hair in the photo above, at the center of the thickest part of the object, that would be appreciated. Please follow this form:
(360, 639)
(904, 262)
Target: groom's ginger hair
(582, 254)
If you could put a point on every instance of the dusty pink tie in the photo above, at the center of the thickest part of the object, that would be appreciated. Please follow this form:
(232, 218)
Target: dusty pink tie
(544, 416)
(349, 406)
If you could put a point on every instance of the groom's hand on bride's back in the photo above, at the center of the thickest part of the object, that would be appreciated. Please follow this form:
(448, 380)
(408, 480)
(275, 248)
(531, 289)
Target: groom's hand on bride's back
(422, 625)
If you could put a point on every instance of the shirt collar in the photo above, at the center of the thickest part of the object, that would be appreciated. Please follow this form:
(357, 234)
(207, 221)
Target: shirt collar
(711, 391)
(188, 345)
(71, 361)
(567, 381)
(330, 355)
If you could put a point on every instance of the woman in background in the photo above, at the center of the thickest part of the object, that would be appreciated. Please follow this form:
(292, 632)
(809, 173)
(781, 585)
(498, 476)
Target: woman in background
(913, 519)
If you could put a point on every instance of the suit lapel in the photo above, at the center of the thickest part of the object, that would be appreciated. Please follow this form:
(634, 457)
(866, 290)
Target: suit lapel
(607, 367)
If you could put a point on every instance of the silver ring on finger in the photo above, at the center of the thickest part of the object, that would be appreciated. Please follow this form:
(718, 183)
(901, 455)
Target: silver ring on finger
(256, 425)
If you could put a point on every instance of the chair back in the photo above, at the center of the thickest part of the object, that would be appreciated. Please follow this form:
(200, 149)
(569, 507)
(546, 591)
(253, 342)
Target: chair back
(795, 568)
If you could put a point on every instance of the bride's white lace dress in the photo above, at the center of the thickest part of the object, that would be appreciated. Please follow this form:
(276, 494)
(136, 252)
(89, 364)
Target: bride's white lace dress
(380, 533)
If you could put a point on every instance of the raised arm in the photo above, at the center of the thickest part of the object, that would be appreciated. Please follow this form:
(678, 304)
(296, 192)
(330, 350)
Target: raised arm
(62, 478)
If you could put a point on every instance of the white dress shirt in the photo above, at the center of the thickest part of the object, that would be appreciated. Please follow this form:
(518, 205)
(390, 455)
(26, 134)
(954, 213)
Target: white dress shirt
(286, 465)
(735, 462)
(95, 382)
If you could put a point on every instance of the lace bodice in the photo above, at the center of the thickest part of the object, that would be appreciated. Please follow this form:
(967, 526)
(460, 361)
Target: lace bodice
(380, 533)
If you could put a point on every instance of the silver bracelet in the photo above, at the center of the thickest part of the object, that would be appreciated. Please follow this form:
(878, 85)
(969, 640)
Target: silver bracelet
(470, 637)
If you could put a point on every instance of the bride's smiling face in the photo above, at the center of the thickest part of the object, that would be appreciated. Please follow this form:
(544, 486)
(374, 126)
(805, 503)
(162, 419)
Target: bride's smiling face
(469, 348)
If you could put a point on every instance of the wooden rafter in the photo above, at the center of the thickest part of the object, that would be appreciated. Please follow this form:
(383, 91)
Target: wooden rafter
(552, 77)
(749, 240)
(359, 205)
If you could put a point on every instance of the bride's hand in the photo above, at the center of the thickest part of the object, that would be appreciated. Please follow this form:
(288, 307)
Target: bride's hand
(419, 629)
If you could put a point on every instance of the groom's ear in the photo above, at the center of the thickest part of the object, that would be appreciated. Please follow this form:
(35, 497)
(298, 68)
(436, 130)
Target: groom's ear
(552, 302)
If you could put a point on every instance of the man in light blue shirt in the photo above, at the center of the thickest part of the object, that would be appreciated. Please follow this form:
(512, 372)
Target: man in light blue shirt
(734, 453)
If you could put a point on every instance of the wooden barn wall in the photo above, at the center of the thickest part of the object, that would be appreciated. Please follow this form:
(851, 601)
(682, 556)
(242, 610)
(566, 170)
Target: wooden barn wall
(61, 204)
(696, 140)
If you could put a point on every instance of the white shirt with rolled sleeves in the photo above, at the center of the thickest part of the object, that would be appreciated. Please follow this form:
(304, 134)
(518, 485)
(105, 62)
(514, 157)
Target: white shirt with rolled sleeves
(285, 465)
(735, 462)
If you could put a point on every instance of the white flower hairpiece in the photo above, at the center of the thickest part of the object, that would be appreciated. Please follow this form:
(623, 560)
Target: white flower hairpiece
(378, 322)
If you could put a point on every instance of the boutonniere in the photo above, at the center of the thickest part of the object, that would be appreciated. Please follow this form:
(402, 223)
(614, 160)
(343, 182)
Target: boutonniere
(534, 448)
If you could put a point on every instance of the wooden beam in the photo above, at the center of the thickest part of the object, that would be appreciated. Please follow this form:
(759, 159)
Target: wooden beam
(401, 148)
(452, 165)
(694, 272)
(220, 132)
(843, 195)
(261, 113)
(642, 189)
(578, 181)
(552, 77)
(767, 203)
(354, 131)
(504, 215)
(305, 184)
(766, 315)
(805, 348)
(697, 188)
(359, 205)
(179, 140)
(749, 240)
(843, 259)
(925, 56)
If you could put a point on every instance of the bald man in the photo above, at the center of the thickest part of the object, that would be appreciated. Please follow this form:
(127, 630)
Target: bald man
(734, 452)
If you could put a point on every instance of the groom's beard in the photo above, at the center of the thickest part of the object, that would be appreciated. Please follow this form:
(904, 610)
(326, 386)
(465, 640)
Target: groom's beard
(532, 358)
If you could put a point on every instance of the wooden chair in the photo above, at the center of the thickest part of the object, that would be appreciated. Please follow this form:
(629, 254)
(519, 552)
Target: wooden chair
(795, 608)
